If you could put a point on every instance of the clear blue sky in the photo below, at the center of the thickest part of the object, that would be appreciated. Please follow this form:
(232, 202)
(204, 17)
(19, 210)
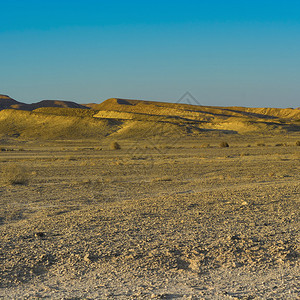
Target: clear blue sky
(230, 52)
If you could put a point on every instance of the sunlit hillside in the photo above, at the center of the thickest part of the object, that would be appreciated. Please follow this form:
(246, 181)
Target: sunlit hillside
(136, 118)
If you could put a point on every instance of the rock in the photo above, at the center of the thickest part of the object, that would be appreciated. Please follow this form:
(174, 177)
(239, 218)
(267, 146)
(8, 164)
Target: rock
(39, 234)
(87, 257)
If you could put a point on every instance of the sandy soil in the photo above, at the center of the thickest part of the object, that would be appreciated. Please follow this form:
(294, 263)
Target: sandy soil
(151, 221)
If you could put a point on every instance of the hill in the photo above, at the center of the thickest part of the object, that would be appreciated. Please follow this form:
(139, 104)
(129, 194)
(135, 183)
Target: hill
(47, 103)
(163, 108)
(194, 119)
(7, 102)
(36, 125)
(136, 119)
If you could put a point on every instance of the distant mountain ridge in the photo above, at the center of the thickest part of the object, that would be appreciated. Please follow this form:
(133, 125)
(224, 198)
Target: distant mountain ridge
(7, 102)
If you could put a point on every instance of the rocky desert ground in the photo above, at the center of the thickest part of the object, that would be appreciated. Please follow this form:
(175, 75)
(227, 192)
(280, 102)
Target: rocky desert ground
(131, 199)
(157, 219)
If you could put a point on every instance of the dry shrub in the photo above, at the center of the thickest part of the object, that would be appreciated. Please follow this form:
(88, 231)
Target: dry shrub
(261, 144)
(245, 154)
(14, 174)
(224, 145)
(115, 146)
(205, 146)
(13, 214)
(298, 143)
(296, 155)
(70, 158)
(164, 178)
(165, 147)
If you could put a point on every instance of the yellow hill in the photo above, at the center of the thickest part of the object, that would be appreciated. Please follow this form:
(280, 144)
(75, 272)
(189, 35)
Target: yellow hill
(121, 118)
(169, 109)
(27, 124)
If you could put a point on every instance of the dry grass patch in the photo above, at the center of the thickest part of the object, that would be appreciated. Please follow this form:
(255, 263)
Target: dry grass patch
(71, 158)
(12, 214)
(163, 178)
(15, 174)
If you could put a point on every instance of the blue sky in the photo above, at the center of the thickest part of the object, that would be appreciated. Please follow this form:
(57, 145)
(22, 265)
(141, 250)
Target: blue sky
(223, 52)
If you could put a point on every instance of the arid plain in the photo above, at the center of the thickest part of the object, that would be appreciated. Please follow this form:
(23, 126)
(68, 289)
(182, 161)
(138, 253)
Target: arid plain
(172, 214)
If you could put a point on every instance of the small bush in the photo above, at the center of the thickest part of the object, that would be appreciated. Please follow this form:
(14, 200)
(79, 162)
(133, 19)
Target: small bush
(205, 146)
(164, 178)
(261, 144)
(7, 149)
(70, 158)
(115, 146)
(14, 174)
(13, 215)
(298, 143)
(224, 145)
(244, 154)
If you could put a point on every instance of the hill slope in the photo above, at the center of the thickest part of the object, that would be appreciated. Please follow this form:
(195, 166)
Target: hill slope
(163, 108)
(7, 102)
(136, 119)
(195, 119)
(27, 124)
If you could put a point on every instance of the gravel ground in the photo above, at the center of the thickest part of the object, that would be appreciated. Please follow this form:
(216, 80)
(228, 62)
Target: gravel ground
(188, 222)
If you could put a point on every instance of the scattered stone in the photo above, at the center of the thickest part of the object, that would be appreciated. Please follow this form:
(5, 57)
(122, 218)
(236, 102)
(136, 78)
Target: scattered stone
(87, 257)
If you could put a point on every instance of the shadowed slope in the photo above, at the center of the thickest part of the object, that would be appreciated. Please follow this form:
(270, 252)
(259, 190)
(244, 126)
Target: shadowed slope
(7, 102)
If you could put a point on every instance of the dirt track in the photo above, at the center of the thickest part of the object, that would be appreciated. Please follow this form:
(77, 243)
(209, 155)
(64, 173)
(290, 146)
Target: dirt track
(187, 222)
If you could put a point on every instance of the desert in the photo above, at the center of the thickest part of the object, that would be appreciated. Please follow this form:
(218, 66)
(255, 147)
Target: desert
(132, 199)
